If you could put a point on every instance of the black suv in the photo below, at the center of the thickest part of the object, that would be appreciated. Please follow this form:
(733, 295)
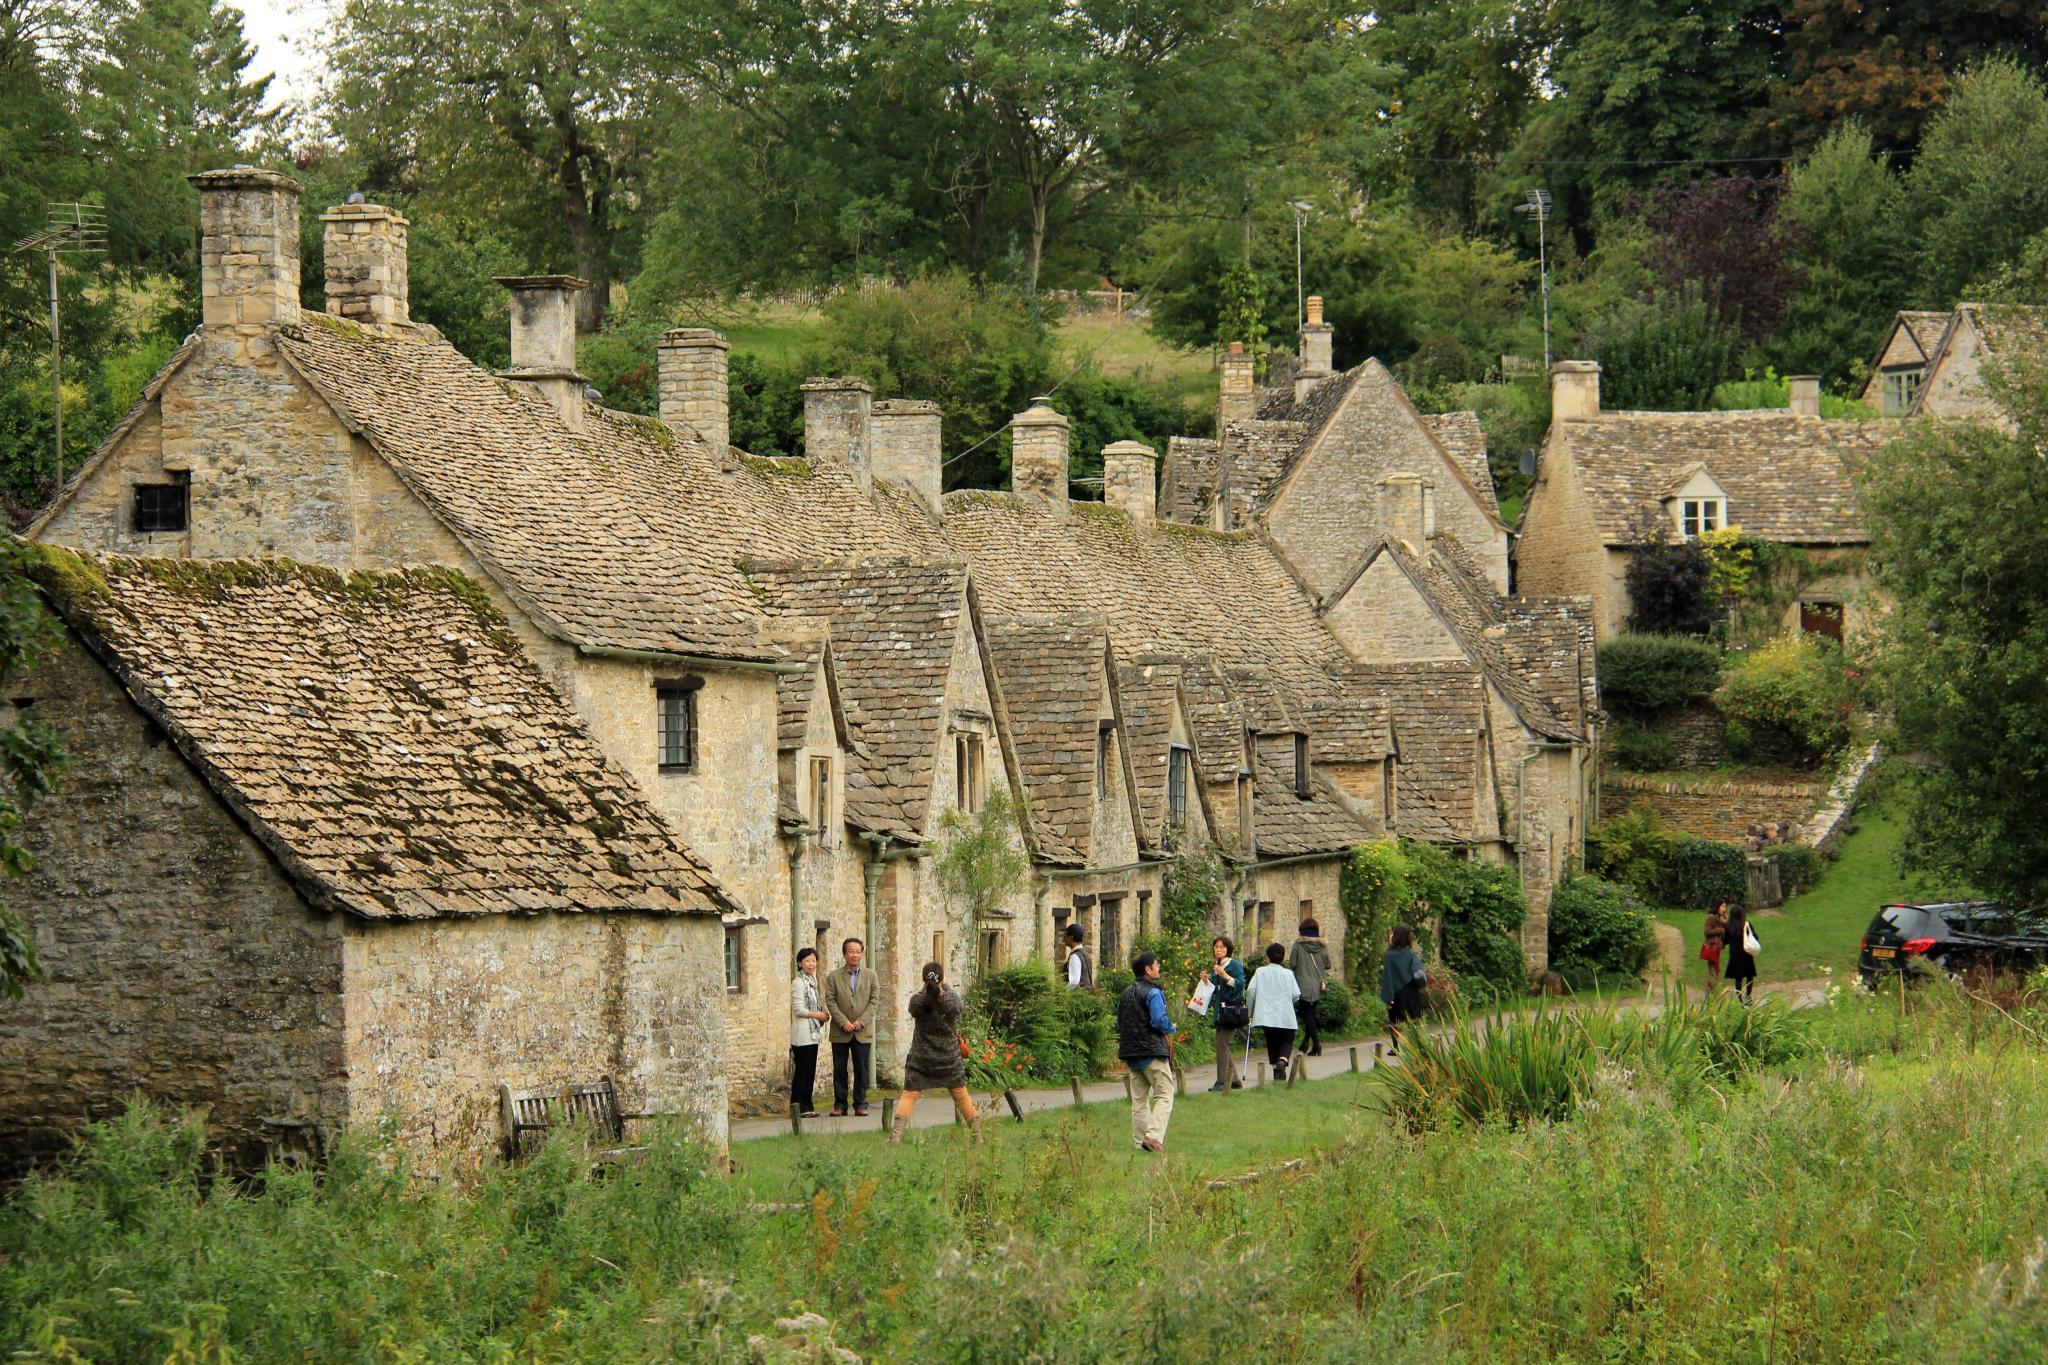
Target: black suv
(1953, 937)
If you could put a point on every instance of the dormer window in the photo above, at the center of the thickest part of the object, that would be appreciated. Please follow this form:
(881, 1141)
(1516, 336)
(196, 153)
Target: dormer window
(1301, 766)
(1901, 387)
(163, 507)
(1697, 516)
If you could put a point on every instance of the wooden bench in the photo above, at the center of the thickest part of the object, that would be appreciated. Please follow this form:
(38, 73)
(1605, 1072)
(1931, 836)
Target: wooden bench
(527, 1115)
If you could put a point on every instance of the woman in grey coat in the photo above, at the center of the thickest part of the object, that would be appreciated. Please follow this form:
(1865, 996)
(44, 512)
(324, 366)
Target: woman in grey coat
(936, 1058)
(1310, 962)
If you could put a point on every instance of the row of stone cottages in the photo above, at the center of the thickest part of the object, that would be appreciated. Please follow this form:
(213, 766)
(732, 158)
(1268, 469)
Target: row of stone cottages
(437, 729)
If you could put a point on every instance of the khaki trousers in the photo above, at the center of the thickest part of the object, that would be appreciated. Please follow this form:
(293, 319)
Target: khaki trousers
(1151, 1091)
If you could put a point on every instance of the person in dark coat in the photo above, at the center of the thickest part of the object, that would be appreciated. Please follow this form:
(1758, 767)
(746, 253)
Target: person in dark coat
(1227, 975)
(1144, 1043)
(936, 1059)
(1740, 971)
(1309, 960)
(1714, 939)
(1401, 980)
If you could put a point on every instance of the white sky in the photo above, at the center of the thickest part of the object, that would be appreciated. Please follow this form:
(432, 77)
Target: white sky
(272, 26)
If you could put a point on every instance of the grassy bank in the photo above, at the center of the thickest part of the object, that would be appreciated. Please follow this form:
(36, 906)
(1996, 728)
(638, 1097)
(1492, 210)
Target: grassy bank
(1761, 1216)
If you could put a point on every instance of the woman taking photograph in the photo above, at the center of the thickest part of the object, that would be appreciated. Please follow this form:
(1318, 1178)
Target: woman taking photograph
(937, 1059)
(806, 1027)
(1226, 1007)
(1401, 981)
(1716, 934)
(1272, 996)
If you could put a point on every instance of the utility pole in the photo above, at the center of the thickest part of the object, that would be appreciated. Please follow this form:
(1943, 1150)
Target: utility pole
(1301, 213)
(73, 229)
(1537, 205)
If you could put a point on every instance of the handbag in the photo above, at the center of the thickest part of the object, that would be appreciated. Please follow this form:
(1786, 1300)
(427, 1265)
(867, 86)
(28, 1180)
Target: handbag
(1233, 1014)
(1710, 951)
(1751, 944)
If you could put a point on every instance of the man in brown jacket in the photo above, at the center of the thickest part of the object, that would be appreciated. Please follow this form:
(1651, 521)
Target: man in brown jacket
(850, 994)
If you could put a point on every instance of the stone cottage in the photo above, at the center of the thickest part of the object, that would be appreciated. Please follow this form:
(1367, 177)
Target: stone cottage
(1976, 335)
(1900, 365)
(332, 849)
(1607, 482)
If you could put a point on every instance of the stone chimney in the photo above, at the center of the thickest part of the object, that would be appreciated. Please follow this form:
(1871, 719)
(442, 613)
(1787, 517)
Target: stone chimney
(1574, 390)
(1315, 349)
(837, 425)
(1038, 452)
(248, 247)
(694, 391)
(1408, 509)
(363, 261)
(1130, 480)
(544, 340)
(908, 447)
(1805, 398)
(1235, 400)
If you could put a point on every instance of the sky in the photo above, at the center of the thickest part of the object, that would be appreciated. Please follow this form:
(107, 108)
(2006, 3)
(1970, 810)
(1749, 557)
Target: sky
(271, 26)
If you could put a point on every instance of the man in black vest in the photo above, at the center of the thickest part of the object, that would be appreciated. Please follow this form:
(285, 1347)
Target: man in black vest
(1144, 1037)
(1080, 971)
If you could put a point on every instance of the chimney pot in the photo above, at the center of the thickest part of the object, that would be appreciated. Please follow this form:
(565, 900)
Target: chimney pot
(1316, 347)
(1130, 480)
(544, 340)
(838, 416)
(1805, 394)
(1408, 509)
(909, 446)
(363, 261)
(693, 377)
(1038, 452)
(1314, 305)
(1574, 390)
(249, 246)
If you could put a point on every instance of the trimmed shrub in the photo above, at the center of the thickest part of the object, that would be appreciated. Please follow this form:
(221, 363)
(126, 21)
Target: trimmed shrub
(1480, 909)
(1799, 867)
(1630, 850)
(1639, 749)
(1600, 928)
(1333, 1011)
(1668, 589)
(1790, 701)
(1698, 874)
(1648, 673)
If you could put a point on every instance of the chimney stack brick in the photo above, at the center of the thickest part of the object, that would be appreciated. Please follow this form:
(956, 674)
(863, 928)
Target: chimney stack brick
(1316, 349)
(838, 425)
(1130, 480)
(1805, 394)
(694, 378)
(1236, 400)
(544, 340)
(363, 262)
(1038, 452)
(248, 247)
(908, 447)
(1574, 390)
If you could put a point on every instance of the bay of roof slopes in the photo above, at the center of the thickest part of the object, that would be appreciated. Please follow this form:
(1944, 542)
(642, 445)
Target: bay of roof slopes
(1150, 692)
(1286, 824)
(1052, 674)
(381, 734)
(1436, 710)
(621, 535)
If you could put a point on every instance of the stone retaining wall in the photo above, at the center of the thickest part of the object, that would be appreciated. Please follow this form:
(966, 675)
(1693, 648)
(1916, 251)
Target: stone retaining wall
(1722, 811)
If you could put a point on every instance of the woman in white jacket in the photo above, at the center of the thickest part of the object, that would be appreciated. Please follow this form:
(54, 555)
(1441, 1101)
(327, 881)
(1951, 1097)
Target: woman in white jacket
(807, 1017)
(1271, 996)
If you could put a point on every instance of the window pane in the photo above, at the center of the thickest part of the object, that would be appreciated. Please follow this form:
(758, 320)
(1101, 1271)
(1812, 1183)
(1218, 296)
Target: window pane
(678, 713)
(732, 959)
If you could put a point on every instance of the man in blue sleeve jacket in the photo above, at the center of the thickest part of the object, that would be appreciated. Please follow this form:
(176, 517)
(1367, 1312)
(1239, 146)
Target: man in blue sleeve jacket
(1145, 1042)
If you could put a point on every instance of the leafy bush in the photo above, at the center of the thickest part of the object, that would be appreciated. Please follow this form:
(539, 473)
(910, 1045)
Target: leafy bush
(1026, 1004)
(1698, 874)
(1669, 588)
(1522, 1069)
(1790, 700)
(1333, 1011)
(1630, 850)
(1480, 910)
(1374, 893)
(1799, 867)
(1668, 354)
(1598, 926)
(1647, 673)
(1639, 749)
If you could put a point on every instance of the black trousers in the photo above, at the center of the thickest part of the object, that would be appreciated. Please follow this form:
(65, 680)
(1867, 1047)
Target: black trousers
(857, 1055)
(1311, 1027)
(1279, 1045)
(803, 1079)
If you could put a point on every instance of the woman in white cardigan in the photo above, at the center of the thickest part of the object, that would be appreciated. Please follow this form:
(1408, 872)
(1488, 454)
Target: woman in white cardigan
(807, 1018)
(1271, 996)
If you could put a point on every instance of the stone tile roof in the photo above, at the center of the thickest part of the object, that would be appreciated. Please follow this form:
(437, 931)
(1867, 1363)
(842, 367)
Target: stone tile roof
(1347, 724)
(1052, 672)
(1437, 711)
(381, 735)
(1925, 327)
(1149, 692)
(1187, 481)
(894, 626)
(2007, 329)
(795, 691)
(1464, 440)
(1549, 641)
(1787, 477)
(1286, 824)
(1216, 721)
(621, 535)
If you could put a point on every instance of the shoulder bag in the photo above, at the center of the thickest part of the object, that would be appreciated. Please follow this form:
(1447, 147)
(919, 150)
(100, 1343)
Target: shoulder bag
(1751, 944)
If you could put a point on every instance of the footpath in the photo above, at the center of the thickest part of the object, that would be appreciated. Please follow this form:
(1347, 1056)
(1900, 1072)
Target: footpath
(1337, 1059)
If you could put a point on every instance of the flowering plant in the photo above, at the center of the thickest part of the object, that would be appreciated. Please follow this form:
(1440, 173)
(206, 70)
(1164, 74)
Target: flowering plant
(995, 1065)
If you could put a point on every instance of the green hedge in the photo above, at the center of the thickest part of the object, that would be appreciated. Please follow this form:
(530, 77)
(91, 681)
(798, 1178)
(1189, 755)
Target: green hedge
(1799, 868)
(1639, 749)
(1698, 874)
(1665, 867)
(1598, 928)
(1648, 673)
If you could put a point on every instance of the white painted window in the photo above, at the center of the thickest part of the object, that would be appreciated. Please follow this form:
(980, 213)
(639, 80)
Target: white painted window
(1696, 516)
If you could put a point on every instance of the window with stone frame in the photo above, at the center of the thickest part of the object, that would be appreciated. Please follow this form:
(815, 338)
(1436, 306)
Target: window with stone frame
(676, 724)
(1177, 786)
(1269, 925)
(735, 960)
(994, 950)
(1244, 810)
(821, 798)
(161, 507)
(1697, 516)
(1109, 929)
(1388, 779)
(1104, 732)
(970, 783)
(1301, 766)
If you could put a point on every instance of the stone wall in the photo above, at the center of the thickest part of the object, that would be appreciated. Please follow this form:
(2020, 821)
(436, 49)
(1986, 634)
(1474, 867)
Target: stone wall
(441, 1012)
(1721, 811)
(1559, 551)
(1293, 892)
(182, 965)
(1384, 618)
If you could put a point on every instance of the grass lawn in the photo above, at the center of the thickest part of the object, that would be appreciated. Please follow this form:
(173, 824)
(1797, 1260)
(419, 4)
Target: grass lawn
(1130, 350)
(1821, 928)
(1210, 1136)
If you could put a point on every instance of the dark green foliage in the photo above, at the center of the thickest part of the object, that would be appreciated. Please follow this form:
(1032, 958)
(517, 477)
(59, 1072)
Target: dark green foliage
(1665, 355)
(1644, 674)
(1376, 891)
(1799, 868)
(1639, 748)
(1669, 587)
(1630, 850)
(1479, 908)
(1333, 1011)
(1790, 700)
(1664, 867)
(31, 754)
(1698, 874)
(1026, 1004)
(1600, 927)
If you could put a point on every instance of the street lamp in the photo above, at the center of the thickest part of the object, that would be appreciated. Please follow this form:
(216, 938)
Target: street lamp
(1301, 212)
(1537, 205)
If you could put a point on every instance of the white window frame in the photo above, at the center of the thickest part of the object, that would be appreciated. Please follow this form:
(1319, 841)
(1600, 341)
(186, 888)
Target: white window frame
(1696, 516)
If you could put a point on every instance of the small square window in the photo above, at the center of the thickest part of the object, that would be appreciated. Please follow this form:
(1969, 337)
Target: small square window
(1700, 515)
(735, 961)
(163, 506)
(676, 725)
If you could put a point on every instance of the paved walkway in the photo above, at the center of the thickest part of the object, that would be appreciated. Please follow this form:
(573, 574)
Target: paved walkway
(936, 1108)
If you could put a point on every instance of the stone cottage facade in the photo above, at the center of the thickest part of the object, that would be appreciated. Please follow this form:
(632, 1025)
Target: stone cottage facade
(1608, 482)
(1973, 336)
(807, 669)
(1899, 368)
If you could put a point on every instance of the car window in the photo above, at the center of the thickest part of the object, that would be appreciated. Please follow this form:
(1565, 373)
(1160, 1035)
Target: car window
(1907, 921)
(1989, 919)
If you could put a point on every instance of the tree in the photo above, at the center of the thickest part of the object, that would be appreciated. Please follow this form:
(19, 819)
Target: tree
(1723, 238)
(1979, 187)
(1666, 354)
(31, 755)
(1668, 585)
(1958, 514)
(1851, 251)
(981, 858)
(1241, 312)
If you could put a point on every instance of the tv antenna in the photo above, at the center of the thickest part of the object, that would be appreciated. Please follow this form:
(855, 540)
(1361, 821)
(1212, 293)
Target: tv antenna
(72, 230)
(1302, 209)
(1537, 206)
